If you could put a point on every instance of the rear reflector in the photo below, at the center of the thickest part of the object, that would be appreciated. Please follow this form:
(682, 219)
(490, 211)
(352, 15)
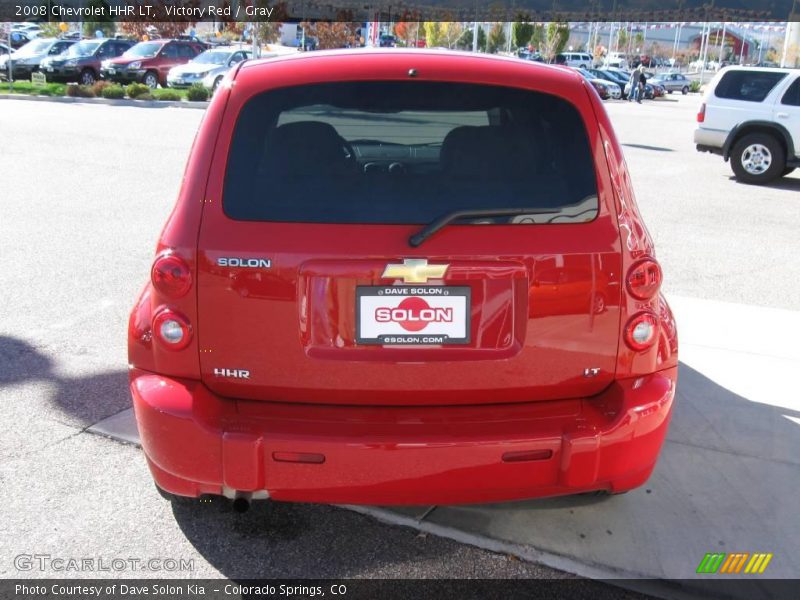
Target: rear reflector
(299, 457)
(526, 455)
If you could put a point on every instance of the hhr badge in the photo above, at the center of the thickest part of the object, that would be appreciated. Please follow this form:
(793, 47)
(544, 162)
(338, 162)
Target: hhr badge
(235, 373)
(414, 270)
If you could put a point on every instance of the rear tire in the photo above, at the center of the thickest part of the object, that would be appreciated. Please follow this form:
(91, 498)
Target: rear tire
(685, 90)
(757, 158)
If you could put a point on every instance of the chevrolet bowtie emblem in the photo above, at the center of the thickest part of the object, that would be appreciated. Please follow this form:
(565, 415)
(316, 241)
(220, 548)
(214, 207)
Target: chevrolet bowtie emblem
(414, 270)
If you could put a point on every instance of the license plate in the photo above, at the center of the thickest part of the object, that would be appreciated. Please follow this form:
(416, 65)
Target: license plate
(407, 315)
(49, 69)
(111, 71)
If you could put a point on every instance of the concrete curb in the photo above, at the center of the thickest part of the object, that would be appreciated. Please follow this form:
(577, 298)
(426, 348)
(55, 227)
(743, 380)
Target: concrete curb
(122, 102)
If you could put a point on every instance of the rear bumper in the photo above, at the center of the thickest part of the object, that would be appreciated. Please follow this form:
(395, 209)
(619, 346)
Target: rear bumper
(123, 76)
(198, 443)
(710, 140)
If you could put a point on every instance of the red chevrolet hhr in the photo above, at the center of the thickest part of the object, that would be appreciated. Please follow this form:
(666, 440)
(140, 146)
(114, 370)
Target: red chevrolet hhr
(403, 277)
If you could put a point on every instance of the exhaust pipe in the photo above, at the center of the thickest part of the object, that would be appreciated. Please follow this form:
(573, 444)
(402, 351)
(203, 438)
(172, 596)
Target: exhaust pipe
(241, 504)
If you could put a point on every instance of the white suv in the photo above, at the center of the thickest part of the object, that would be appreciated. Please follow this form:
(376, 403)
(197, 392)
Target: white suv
(752, 116)
(581, 60)
(616, 60)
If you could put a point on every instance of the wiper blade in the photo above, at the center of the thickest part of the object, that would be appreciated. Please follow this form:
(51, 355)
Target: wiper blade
(440, 222)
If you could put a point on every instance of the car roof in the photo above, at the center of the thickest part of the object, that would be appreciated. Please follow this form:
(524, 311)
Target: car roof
(397, 64)
(756, 69)
(246, 48)
(421, 53)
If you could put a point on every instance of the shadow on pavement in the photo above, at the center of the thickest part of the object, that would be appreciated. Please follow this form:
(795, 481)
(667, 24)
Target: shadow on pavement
(789, 183)
(85, 399)
(725, 482)
(277, 540)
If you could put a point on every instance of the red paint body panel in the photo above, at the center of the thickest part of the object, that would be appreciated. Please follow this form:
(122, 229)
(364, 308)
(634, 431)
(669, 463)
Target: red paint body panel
(402, 425)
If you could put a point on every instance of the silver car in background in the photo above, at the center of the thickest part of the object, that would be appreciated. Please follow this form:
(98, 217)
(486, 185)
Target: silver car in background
(208, 67)
(673, 82)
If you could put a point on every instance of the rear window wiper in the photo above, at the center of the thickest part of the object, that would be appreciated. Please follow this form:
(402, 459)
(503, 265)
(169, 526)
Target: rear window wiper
(435, 225)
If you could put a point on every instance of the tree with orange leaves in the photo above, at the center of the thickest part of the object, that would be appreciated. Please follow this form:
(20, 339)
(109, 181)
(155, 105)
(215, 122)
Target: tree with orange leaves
(334, 34)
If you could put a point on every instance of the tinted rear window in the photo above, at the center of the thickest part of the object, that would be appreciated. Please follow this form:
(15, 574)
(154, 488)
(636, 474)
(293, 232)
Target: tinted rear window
(407, 152)
(752, 86)
(792, 95)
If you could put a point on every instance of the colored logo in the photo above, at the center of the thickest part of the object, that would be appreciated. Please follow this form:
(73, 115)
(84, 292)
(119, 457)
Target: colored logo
(414, 270)
(413, 314)
(737, 562)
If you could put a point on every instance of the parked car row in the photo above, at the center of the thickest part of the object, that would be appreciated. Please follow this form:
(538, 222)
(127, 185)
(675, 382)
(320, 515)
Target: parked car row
(27, 59)
(81, 62)
(605, 87)
(165, 62)
(611, 82)
(149, 62)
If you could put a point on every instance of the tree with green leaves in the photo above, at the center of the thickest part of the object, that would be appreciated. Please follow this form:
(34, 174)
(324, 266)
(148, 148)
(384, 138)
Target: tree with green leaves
(521, 34)
(497, 38)
(622, 40)
(105, 24)
(556, 36)
(464, 41)
(537, 37)
(638, 40)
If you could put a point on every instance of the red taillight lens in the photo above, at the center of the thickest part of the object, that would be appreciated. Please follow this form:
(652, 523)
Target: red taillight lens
(701, 115)
(171, 275)
(641, 331)
(644, 279)
(172, 329)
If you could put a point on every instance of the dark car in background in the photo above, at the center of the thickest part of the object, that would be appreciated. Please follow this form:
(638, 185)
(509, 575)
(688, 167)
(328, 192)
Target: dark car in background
(26, 60)
(150, 62)
(81, 62)
(613, 77)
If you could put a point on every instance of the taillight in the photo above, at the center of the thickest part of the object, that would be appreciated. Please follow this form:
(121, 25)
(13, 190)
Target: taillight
(640, 332)
(644, 279)
(171, 275)
(172, 329)
(701, 115)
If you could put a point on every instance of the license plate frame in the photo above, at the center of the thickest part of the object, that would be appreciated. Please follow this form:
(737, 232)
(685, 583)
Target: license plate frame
(439, 331)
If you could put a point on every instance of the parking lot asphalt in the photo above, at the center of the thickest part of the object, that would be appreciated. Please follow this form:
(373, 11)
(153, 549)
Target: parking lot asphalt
(86, 189)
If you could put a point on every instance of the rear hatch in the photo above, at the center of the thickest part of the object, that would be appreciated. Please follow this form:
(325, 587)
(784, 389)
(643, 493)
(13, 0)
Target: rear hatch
(311, 288)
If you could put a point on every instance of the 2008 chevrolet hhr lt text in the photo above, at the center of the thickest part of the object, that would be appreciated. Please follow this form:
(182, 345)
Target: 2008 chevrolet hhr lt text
(403, 277)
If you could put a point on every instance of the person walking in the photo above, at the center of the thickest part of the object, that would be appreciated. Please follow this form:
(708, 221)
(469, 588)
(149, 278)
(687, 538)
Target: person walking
(641, 80)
